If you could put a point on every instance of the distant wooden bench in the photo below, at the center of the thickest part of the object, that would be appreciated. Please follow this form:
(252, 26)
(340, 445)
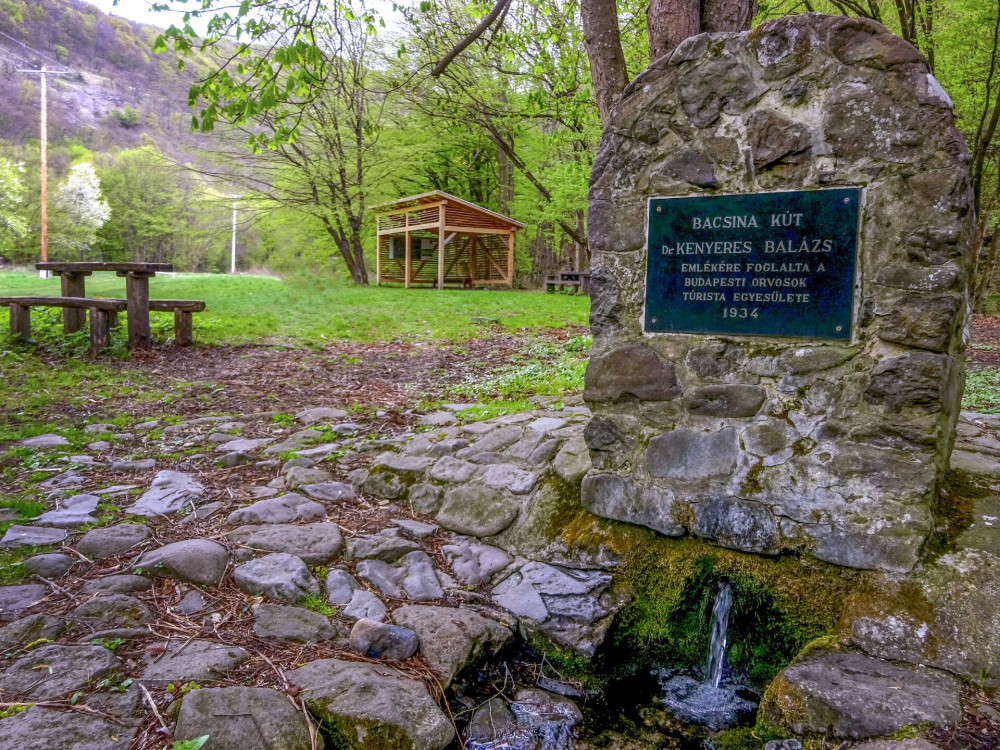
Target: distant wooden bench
(579, 280)
(101, 312)
(182, 309)
(103, 315)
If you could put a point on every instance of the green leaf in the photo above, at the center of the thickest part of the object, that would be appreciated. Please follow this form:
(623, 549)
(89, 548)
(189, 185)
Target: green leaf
(194, 744)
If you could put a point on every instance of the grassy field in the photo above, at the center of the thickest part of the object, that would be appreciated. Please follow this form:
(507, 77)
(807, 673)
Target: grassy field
(506, 346)
(309, 312)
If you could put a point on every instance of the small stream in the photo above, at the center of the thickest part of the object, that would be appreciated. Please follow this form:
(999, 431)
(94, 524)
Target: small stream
(682, 705)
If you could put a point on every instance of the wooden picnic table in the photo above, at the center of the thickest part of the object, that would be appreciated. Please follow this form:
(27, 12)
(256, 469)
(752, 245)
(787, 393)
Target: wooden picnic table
(580, 280)
(136, 275)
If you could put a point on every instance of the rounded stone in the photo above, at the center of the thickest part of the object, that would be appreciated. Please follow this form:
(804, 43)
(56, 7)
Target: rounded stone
(52, 565)
(278, 576)
(111, 541)
(476, 510)
(193, 560)
(240, 718)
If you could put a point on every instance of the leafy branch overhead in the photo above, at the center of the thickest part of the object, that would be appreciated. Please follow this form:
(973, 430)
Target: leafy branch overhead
(269, 57)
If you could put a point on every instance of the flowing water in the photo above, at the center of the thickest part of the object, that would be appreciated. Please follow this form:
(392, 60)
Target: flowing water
(720, 628)
(712, 696)
(716, 700)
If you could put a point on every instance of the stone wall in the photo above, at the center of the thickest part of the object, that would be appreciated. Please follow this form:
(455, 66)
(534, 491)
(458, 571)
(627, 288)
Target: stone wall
(771, 444)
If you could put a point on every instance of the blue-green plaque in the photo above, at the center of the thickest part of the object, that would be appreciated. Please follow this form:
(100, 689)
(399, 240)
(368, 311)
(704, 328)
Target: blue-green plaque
(761, 264)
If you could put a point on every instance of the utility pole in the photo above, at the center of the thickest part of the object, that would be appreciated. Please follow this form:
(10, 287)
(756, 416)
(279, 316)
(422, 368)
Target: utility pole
(43, 73)
(232, 268)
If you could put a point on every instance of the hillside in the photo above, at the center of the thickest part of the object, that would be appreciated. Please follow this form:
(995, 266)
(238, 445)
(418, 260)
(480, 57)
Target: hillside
(114, 69)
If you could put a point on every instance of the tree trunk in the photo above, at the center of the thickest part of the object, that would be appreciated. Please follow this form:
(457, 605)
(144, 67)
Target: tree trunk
(670, 22)
(727, 15)
(602, 39)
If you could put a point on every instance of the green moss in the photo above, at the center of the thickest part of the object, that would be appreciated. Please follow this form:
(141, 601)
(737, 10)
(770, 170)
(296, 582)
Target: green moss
(744, 738)
(779, 604)
(751, 485)
(803, 446)
(344, 734)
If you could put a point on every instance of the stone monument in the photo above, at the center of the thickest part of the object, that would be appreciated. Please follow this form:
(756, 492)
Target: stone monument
(780, 223)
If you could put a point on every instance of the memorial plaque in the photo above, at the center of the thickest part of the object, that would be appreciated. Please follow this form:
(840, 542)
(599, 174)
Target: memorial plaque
(761, 264)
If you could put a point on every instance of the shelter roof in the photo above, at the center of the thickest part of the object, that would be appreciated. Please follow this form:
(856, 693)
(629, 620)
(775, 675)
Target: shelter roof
(437, 196)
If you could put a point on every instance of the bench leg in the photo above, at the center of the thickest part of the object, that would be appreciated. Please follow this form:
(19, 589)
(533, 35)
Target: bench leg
(112, 318)
(73, 285)
(20, 321)
(137, 295)
(182, 328)
(98, 331)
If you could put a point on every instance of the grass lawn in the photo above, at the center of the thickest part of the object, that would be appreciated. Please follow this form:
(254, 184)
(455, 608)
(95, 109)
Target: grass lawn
(310, 312)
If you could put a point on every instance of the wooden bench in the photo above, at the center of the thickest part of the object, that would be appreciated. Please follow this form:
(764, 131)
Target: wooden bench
(103, 315)
(578, 280)
(101, 312)
(182, 309)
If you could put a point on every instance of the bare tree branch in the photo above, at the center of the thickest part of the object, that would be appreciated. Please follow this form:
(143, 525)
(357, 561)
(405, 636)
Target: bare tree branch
(498, 8)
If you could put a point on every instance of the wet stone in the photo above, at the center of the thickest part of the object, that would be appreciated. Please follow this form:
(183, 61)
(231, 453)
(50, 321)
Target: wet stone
(474, 563)
(382, 641)
(491, 722)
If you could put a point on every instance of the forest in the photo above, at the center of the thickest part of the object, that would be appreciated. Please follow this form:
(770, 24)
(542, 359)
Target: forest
(307, 114)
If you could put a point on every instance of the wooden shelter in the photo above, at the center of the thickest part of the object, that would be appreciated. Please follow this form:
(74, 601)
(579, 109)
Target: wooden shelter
(437, 239)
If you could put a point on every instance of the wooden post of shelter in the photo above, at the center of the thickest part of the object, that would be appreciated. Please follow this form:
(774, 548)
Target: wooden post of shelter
(409, 259)
(475, 246)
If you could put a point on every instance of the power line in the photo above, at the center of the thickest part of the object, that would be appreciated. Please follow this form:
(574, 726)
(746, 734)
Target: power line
(32, 50)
